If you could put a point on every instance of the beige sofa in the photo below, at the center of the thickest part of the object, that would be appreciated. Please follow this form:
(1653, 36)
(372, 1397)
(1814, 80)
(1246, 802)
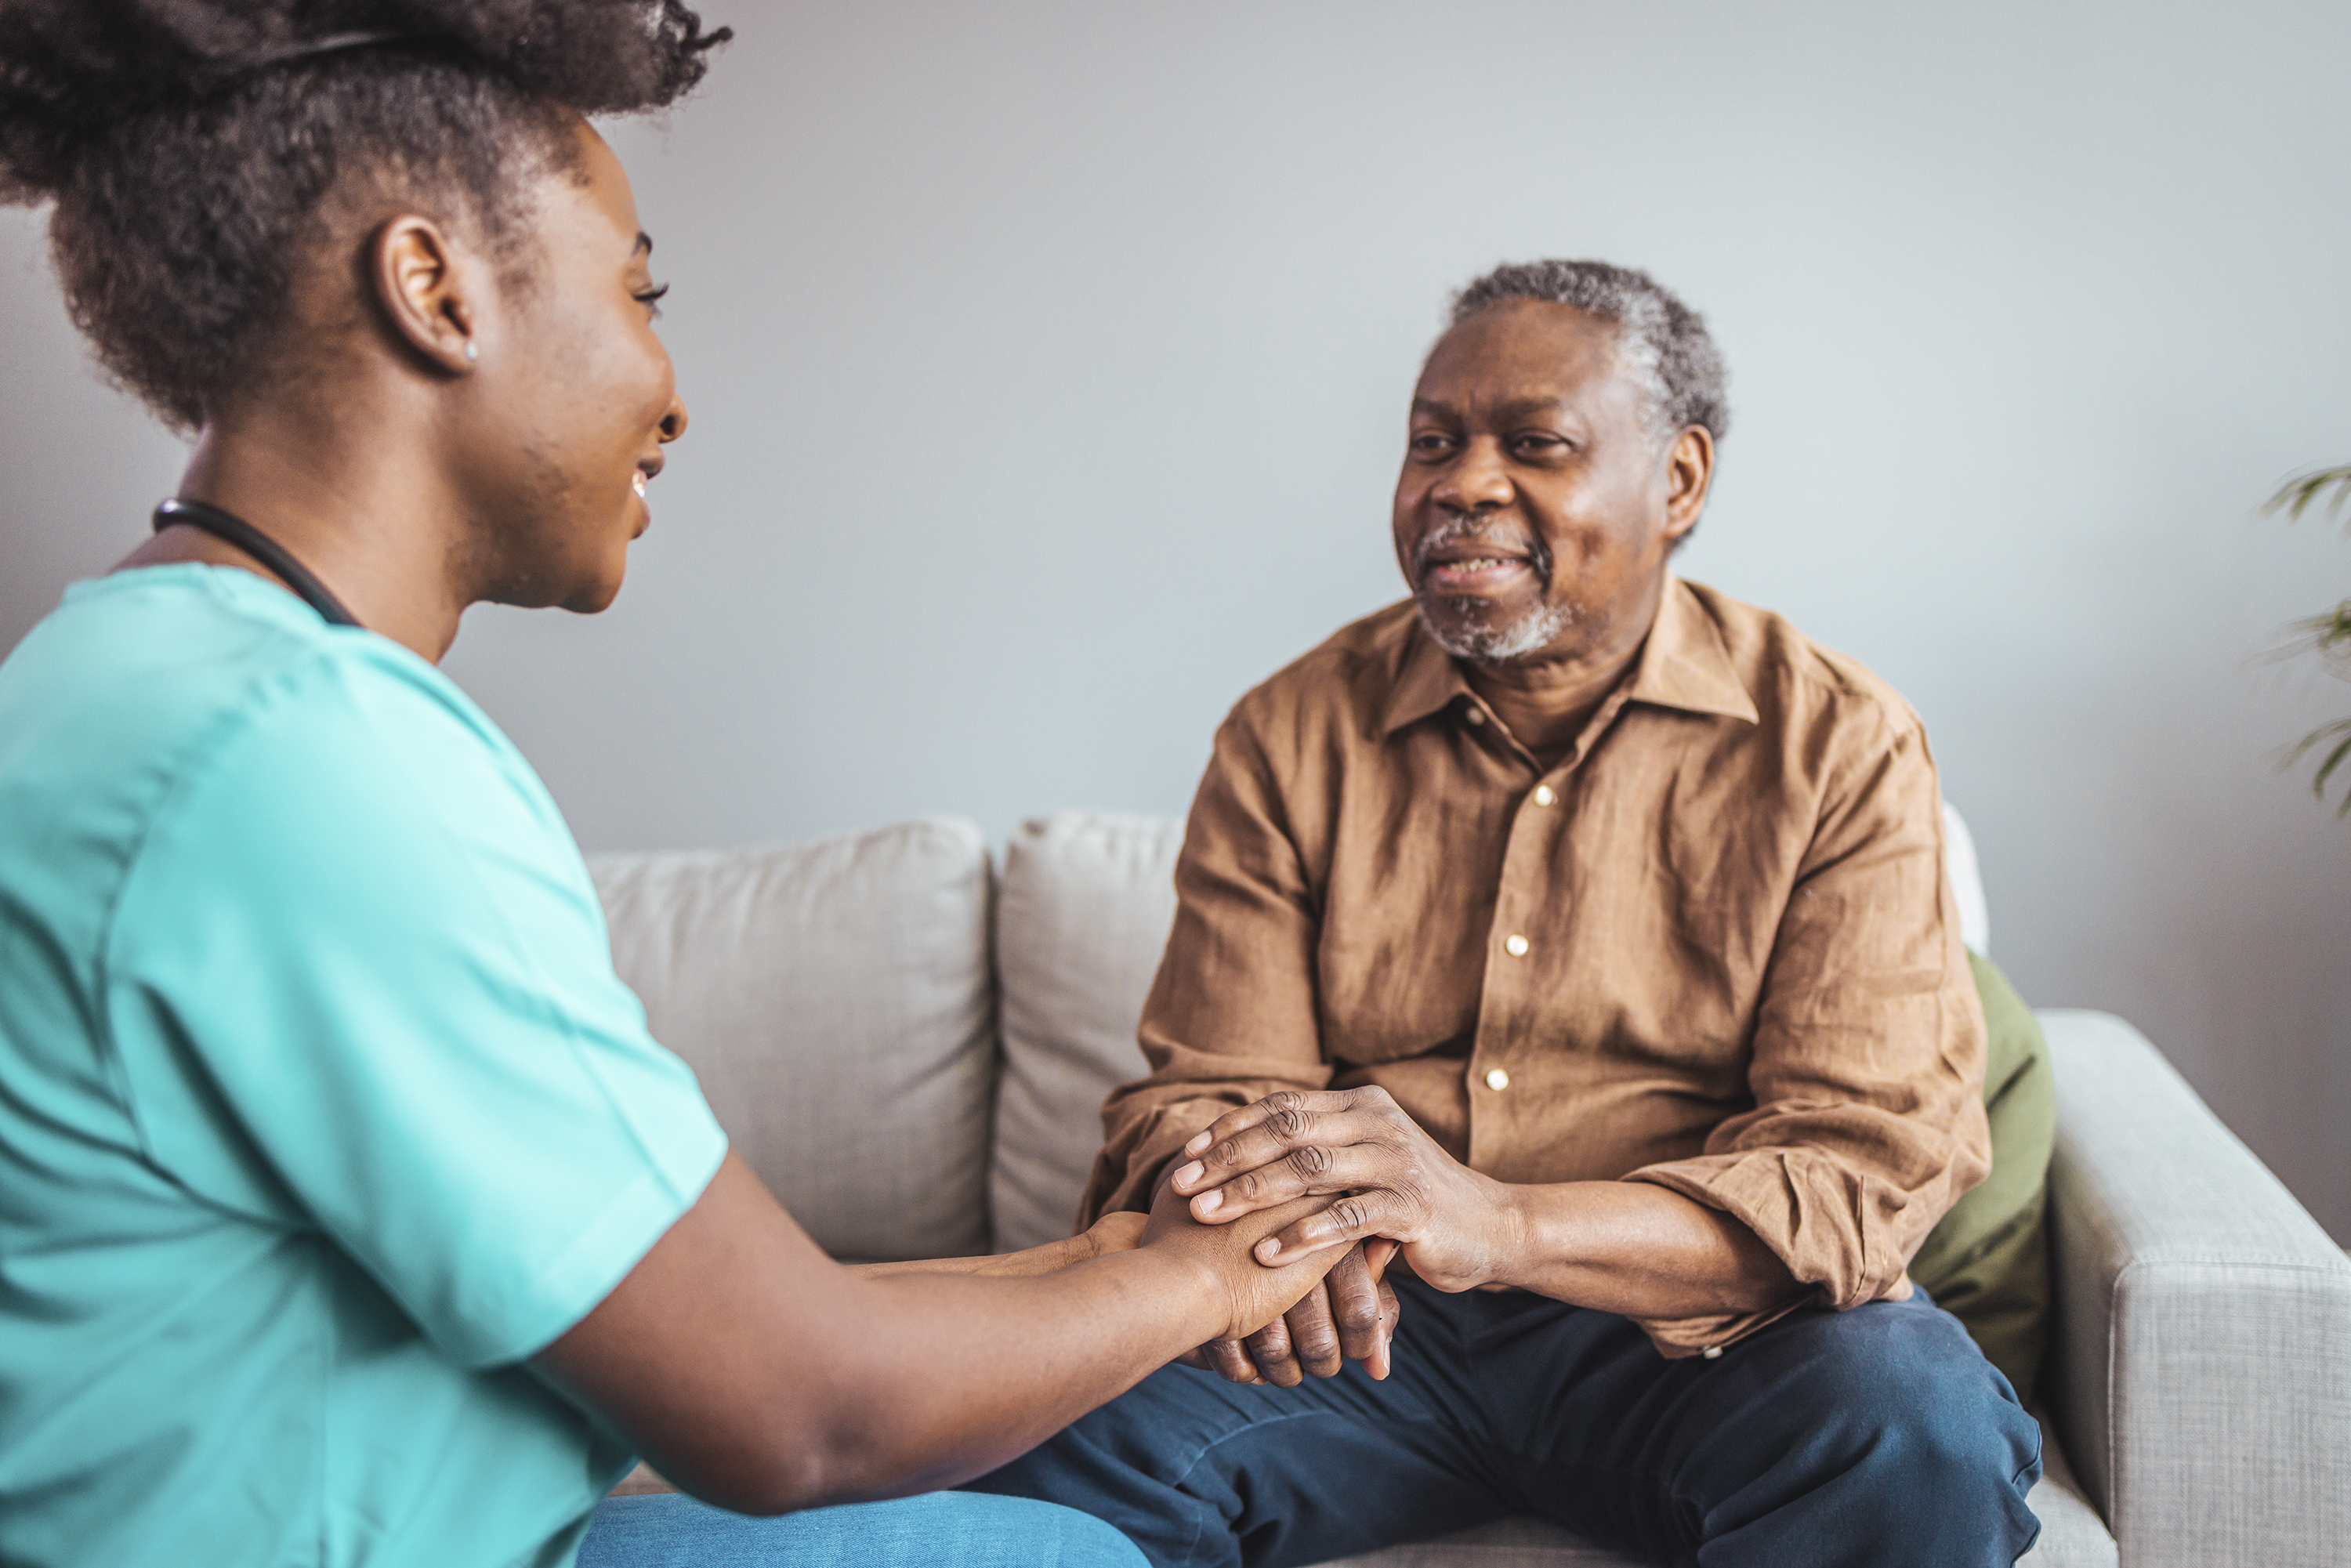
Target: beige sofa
(911, 1044)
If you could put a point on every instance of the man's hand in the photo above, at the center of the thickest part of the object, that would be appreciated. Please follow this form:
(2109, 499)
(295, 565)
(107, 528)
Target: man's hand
(1457, 1228)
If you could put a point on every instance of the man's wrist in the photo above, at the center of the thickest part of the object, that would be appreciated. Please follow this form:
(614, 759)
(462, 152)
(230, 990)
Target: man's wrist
(1511, 1226)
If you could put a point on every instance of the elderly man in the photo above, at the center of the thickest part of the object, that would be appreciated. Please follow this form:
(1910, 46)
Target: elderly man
(1590, 931)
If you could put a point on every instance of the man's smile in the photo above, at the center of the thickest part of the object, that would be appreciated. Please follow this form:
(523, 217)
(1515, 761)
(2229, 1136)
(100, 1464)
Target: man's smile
(1475, 574)
(1453, 562)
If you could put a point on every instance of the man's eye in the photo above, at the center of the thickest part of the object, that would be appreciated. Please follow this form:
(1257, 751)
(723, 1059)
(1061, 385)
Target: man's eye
(1430, 442)
(1537, 444)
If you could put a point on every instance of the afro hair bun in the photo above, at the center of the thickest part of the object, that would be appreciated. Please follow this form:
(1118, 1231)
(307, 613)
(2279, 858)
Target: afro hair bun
(71, 70)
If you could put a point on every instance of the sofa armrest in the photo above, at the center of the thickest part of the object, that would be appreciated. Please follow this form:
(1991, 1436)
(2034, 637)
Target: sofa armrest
(2201, 1371)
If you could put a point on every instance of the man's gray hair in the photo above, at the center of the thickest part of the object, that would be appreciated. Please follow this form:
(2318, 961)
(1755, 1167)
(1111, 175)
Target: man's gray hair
(1664, 341)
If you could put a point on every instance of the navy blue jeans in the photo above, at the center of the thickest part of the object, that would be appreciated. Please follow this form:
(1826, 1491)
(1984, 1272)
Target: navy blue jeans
(1878, 1437)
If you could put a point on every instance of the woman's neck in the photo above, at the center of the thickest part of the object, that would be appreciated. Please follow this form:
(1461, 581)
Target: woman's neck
(358, 511)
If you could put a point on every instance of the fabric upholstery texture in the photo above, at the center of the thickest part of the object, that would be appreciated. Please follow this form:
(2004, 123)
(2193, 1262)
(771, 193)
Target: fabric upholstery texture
(1987, 1263)
(2201, 1373)
(836, 1002)
(1967, 881)
(1083, 912)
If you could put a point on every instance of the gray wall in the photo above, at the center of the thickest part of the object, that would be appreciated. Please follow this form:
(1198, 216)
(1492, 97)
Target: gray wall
(1048, 363)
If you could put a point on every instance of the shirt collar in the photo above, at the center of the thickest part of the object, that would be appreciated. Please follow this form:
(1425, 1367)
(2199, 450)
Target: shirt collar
(1682, 664)
(1685, 665)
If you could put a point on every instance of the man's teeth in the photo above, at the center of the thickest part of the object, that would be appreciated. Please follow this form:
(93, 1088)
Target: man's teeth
(638, 479)
(1483, 563)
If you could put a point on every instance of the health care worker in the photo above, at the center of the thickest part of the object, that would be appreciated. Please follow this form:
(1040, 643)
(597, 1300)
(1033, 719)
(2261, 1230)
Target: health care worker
(348, 1212)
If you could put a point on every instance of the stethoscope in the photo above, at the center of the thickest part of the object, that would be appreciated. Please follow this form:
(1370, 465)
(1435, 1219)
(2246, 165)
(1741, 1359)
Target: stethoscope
(235, 530)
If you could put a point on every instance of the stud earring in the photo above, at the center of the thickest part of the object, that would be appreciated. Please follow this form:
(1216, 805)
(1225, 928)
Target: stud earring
(473, 351)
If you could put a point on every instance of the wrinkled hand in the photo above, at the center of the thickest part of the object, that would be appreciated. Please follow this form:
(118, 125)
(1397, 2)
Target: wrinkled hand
(1455, 1227)
(1255, 1291)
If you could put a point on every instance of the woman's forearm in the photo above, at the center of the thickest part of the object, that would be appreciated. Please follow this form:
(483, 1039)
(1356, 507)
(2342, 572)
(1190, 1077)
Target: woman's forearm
(754, 1373)
(1111, 1233)
(952, 1377)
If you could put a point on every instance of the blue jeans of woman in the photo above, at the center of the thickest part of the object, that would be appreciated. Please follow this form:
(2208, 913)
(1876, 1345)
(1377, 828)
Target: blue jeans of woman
(950, 1530)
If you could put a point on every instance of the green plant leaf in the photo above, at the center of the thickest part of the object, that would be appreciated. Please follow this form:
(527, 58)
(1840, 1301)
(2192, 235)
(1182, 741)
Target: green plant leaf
(2332, 761)
(2298, 495)
(2327, 635)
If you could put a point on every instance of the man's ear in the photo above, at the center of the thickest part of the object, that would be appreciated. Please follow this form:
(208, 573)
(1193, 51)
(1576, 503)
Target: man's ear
(424, 292)
(1690, 471)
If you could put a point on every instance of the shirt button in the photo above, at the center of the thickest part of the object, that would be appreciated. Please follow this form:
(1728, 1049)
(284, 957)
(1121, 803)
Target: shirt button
(1543, 797)
(1473, 715)
(1498, 1080)
(1711, 1353)
(1515, 945)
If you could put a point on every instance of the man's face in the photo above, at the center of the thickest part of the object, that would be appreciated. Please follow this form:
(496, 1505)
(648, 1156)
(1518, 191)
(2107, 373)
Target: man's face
(1536, 506)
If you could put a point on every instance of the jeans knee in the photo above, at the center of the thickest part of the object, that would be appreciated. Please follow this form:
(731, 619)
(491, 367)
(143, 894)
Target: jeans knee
(1917, 1402)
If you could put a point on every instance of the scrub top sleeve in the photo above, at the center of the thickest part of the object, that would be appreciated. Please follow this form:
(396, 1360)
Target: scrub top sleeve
(359, 939)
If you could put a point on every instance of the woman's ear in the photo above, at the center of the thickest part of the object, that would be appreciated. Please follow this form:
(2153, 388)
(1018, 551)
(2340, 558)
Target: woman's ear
(424, 292)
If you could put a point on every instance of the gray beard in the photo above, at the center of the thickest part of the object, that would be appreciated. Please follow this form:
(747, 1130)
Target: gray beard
(1535, 630)
(1487, 644)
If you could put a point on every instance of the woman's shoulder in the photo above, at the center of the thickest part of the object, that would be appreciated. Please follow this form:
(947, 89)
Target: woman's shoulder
(171, 657)
(141, 686)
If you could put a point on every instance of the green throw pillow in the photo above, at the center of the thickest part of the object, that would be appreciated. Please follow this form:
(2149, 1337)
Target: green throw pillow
(1987, 1263)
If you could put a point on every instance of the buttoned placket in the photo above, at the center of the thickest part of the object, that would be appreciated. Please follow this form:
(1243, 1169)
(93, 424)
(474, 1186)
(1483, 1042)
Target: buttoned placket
(1515, 962)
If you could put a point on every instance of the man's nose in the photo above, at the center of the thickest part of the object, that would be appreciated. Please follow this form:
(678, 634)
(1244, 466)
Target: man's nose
(1478, 481)
(673, 425)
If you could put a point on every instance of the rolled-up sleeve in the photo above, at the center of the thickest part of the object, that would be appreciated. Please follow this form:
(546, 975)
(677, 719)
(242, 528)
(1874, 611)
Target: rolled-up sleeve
(1231, 1014)
(1868, 1053)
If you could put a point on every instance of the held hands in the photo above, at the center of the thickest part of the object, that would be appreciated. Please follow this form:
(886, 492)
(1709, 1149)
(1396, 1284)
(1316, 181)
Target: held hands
(1457, 1228)
(1349, 1316)
(1254, 1292)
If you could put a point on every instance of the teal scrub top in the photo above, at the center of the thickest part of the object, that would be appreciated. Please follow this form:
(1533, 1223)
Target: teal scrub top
(321, 1108)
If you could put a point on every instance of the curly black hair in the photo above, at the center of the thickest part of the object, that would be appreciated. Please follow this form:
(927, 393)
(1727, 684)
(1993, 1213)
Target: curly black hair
(1663, 340)
(198, 152)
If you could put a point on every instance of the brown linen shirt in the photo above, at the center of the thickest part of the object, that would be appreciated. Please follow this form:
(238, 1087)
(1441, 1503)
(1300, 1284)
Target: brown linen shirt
(1715, 948)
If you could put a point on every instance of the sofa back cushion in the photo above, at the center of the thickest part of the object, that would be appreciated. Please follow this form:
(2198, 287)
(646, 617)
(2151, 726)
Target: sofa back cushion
(1087, 904)
(835, 1000)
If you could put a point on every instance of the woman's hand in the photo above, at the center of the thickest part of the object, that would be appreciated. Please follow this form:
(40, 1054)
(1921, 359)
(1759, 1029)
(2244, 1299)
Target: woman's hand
(1255, 1292)
(1349, 1316)
(1120, 1231)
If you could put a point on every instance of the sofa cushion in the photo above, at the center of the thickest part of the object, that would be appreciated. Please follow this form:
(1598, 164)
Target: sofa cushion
(1987, 1262)
(834, 999)
(1088, 901)
(1085, 908)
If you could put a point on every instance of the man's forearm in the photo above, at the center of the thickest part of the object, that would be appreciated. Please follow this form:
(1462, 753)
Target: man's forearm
(1636, 1250)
